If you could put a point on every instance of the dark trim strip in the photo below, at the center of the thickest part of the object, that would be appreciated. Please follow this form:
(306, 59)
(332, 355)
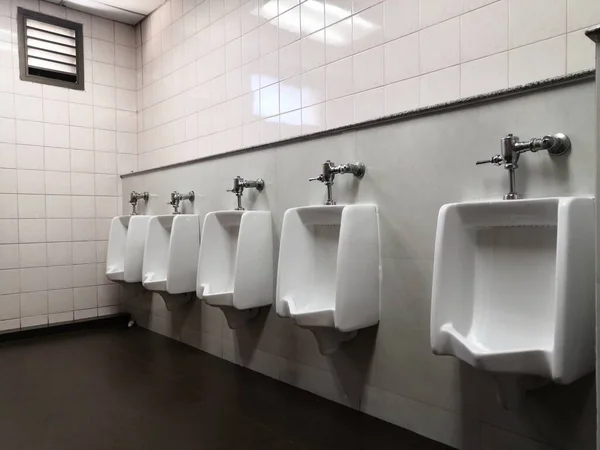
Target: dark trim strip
(594, 33)
(115, 321)
(406, 115)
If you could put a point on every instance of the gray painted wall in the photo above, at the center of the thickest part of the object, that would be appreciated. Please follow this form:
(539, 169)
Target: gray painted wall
(413, 167)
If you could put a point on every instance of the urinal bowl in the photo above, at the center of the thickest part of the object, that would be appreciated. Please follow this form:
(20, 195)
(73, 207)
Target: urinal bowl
(513, 286)
(171, 257)
(235, 267)
(329, 273)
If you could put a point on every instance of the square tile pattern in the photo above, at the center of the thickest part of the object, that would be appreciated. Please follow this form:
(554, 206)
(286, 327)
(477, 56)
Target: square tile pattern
(60, 153)
(355, 60)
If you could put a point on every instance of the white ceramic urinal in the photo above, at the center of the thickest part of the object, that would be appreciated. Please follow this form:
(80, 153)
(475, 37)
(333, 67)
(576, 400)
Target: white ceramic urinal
(513, 286)
(329, 276)
(126, 248)
(171, 257)
(115, 255)
(235, 268)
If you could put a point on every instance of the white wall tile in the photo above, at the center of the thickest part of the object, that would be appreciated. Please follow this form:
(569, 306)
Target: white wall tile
(59, 253)
(484, 31)
(8, 206)
(84, 229)
(313, 87)
(439, 46)
(9, 256)
(537, 61)
(290, 95)
(339, 112)
(28, 108)
(102, 29)
(439, 87)
(103, 51)
(8, 181)
(56, 112)
(580, 52)
(57, 183)
(338, 40)
(402, 96)
(402, 58)
(312, 17)
(34, 304)
(58, 318)
(83, 207)
(400, 17)
(9, 284)
(81, 138)
(7, 130)
(435, 11)
(56, 135)
(58, 207)
(84, 252)
(85, 297)
(336, 10)
(484, 75)
(32, 255)
(31, 182)
(8, 155)
(29, 230)
(31, 206)
(367, 28)
(29, 133)
(369, 105)
(58, 230)
(289, 27)
(339, 77)
(30, 157)
(290, 60)
(33, 279)
(374, 76)
(550, 20)
(57, 159)
(60, 301)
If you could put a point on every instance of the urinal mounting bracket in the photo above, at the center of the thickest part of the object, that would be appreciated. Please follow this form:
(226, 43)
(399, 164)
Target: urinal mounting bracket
(134, 197)
(239, 184)
(177, 198)
(511, 149)
(330, 170)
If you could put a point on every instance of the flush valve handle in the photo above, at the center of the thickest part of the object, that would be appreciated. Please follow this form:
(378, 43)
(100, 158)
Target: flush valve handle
(496, 160)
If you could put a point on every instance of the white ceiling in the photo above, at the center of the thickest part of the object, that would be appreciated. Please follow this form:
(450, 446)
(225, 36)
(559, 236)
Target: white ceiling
(127, 11)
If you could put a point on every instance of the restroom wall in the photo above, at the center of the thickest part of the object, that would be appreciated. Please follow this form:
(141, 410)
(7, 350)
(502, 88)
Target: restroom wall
(219, 75)
(60, 152)
(414, 166)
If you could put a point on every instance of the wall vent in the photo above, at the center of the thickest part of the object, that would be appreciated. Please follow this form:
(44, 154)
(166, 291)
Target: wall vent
(50, 50)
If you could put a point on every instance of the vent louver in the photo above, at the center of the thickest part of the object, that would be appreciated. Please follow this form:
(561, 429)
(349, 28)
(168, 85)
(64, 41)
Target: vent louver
(50, 50)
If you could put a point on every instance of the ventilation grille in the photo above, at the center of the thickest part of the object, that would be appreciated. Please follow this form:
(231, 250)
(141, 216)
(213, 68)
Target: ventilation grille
(50, 50)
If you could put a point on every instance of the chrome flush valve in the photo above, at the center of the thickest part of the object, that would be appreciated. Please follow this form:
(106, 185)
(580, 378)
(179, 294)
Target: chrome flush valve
(133, 199)
(329, 172)
(511, 149)
(177, 198)
(239, 184)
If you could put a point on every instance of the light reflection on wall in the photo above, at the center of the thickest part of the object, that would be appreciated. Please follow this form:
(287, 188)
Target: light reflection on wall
(311, 10)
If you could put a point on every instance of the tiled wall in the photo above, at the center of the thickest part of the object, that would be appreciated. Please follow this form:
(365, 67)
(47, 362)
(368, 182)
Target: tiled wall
(224, 74)
(413, 167)
(60, 153)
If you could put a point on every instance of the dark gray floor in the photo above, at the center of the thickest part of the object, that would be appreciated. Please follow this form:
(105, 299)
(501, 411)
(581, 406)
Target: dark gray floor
(132, 389)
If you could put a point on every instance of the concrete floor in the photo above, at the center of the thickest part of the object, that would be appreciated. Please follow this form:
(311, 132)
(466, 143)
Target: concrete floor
(118, 388)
